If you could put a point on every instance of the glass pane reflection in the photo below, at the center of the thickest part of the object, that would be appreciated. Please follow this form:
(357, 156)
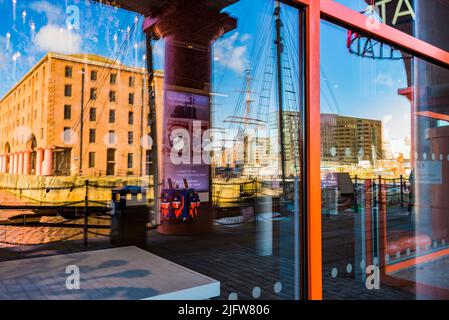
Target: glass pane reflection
(423, 19)
(384, 166)
(172, 126)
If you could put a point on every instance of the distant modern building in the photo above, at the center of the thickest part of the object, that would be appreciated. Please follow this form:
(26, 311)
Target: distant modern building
(349, 140)
(42, 130)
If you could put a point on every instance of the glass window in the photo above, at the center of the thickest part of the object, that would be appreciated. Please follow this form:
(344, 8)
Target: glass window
(111, 116)
(93, 75)
(131, 81)
(93, 94)
(110, 154)
(67, 135)
(68, 72)
(93, 114)
(130, 117)
(131, 98)
(130, 160)
(91, 159)
(384, 170)
(68, 90)
(111, 137)
(92, 135)
(256, 164)
(113, 78)
(67, 111)
(112, 96)
(130, 137)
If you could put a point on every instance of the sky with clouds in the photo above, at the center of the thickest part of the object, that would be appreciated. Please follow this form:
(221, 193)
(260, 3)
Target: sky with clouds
(31, 28)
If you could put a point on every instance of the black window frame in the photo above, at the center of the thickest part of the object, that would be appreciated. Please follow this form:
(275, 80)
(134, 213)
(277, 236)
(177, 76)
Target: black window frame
(68, 71)
(93, 94)
(91, 159)
(93, 114)
(130, 162)
(92, 135)
(131, 81)
(68, 90)
(113, 78)
(67, 112)
(93, 75)
(112, 116)
(66, 131)
(112, 96)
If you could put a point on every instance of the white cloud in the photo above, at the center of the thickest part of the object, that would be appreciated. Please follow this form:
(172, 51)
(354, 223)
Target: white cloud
(387, 118)
(58, 39)
(384, 80)
(231, 52)
(52, 12)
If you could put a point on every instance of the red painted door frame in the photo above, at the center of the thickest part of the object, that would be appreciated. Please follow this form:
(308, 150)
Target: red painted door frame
(315, 10)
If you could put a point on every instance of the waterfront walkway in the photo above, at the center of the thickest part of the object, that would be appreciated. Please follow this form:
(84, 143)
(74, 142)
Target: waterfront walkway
(126, 273)
(233, 256)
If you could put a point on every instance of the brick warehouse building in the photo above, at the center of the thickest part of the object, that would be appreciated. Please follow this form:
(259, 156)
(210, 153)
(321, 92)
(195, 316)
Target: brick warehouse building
(40, 119)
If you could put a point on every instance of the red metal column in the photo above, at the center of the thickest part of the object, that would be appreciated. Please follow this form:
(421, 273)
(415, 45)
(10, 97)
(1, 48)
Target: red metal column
(313, 152)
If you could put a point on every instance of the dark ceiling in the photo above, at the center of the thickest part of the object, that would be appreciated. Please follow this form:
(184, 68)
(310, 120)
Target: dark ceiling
(148, 7)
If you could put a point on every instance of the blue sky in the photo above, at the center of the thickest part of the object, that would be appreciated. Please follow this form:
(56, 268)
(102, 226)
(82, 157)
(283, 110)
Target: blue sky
(31, 28)
(361, 87)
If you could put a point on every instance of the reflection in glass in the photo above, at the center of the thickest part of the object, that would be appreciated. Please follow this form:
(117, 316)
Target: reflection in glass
(423, 19)
(113, 120)
(256, 116)
(383, 168)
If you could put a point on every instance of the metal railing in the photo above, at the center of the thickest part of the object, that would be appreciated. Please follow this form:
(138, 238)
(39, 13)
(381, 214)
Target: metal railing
(86, 206)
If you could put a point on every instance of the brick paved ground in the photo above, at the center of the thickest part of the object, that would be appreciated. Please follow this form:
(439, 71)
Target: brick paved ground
(125, 273)
(16, 229)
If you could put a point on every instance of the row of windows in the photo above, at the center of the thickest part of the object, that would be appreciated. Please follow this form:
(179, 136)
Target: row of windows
(93, 114)
(92, 160)
(93, 94)
(93, 136)
(94, 76)
(111, 136)
(33, 81)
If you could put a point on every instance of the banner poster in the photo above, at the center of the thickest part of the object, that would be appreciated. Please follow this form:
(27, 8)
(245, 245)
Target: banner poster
(185, 132)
